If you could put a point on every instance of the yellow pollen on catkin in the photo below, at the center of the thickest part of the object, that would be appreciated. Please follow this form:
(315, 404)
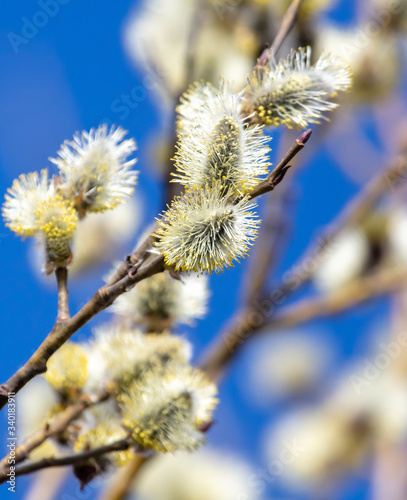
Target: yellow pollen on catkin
(56, 218)
(67, 368)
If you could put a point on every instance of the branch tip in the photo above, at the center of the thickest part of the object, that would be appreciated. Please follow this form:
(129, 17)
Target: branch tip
(304, 137)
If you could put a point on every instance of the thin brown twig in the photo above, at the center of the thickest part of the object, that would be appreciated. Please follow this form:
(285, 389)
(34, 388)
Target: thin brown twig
(269, 53)
(135, 260)
(278, 173)
(287, 24)
(76, 458)
(55, 426)
(61, 274)
(268, 244)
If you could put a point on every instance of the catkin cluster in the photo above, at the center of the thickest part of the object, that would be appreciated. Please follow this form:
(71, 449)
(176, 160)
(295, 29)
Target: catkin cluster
(158, 400)
(222, 154)
(94, 175)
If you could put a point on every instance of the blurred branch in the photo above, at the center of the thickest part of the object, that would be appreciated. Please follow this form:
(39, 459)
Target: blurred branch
(353, 213)
(135, 260)
(77, 458)
(47, 484)
(362, 289)
(55, 426)
(194, 32)
(268, 244)
(123, 480)
(260, 316)
(289, 20)
(389, 478)
(61, 274)
(391, 176)
(272, 236)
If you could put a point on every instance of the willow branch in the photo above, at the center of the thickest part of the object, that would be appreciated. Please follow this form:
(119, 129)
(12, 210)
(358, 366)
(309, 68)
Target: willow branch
(61, 274)
(261, 316)
(125, 477)
(366, 288)
(390, 178)
(77, 458)
(61, 332)
(129, 273)
(55, 426)
(134, 261)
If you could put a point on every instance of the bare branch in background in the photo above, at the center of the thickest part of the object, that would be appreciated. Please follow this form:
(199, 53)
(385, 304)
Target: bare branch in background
(255, 319)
